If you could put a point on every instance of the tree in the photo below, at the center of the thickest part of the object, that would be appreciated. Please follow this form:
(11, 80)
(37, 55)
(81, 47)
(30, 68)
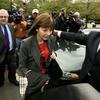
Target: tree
(89, 10)
(4, 4)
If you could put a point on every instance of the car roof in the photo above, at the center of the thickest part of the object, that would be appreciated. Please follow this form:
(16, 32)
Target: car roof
(87, 31)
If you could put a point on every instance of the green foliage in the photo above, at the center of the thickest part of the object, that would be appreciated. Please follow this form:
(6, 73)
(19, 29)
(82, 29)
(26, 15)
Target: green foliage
(4, 4)
(91, 10)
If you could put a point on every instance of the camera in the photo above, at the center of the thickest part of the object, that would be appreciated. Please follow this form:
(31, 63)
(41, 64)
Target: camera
(17, 19)
(15, 16)
(29, 20)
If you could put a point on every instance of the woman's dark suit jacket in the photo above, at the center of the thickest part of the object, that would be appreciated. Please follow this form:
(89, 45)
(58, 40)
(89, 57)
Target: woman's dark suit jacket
(29, 58)
(91, 62)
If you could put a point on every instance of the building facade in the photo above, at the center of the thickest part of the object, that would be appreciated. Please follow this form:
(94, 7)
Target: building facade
(75, 1)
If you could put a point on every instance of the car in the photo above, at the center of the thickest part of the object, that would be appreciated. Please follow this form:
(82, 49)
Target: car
(97, 22)
(88, 30)
(71, 58)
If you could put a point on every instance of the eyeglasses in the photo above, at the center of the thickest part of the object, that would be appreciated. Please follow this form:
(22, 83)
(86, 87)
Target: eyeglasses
(3, 16)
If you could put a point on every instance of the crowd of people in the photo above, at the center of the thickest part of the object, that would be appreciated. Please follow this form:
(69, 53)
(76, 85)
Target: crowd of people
(27, 45)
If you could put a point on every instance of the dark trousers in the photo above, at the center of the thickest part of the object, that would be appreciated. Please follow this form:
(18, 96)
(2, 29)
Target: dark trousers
(9, 63)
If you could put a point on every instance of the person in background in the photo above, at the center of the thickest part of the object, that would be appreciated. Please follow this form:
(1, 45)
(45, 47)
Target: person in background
(30, 19)
(93, 24)
(90, 71)
(20, 27)
(60, 21)
(74, 23)
(19, 24)
(35, 13)
(22, 13)
(7, 49)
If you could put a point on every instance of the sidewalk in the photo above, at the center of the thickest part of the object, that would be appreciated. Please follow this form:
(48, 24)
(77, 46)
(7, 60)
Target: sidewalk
(9, 91)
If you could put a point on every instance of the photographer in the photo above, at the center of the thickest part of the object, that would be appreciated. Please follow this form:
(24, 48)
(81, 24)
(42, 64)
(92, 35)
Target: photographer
(20, 25)
(60, 21)
(30, 19)
(74, 23)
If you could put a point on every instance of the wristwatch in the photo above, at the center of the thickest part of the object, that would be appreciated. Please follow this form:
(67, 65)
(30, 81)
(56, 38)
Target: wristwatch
(67, 76)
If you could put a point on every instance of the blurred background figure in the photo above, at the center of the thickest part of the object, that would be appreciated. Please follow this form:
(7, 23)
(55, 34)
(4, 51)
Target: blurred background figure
(22, 13)
(19, 23)
(30, 19)
(35, 13)
(60, 21)
(93, 24)
(74, 23)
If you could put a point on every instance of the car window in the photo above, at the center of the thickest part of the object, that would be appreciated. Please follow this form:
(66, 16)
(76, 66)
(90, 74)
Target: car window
(70, 56)
(87, 31)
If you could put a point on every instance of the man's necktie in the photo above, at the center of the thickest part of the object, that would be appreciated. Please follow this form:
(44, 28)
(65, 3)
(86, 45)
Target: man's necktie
(6, 36)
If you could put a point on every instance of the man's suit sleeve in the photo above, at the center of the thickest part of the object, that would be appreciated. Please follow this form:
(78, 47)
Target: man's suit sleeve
(76, 37)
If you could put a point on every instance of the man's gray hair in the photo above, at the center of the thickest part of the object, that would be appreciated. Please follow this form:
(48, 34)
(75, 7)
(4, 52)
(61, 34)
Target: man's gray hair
(4, 11)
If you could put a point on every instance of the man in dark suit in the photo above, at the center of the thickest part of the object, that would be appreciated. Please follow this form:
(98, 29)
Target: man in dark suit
(7, 49)
(90, 71)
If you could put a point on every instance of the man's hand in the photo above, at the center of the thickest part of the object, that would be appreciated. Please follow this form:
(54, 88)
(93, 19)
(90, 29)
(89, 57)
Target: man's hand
(57, 33)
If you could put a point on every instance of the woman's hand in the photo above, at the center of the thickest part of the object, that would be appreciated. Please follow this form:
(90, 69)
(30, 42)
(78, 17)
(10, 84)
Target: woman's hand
(53, 55)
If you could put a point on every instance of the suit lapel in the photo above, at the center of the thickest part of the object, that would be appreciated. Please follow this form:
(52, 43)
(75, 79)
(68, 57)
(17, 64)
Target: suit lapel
(35, 50)
(51, 43)
(1, 34)
(1, 31)
(11, 31)
(13, 37)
